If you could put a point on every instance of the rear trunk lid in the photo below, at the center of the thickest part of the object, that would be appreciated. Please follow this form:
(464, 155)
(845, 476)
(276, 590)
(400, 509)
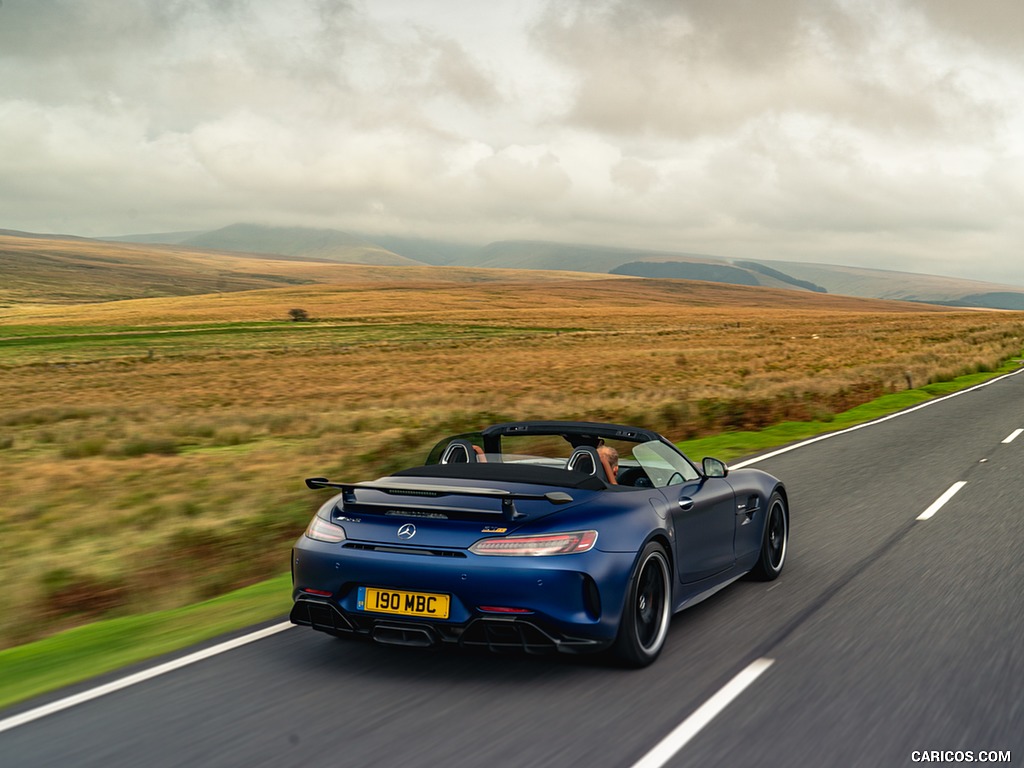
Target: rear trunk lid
(434, 513)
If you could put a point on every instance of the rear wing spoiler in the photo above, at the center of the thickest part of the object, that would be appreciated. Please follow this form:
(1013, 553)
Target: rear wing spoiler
(427, 491)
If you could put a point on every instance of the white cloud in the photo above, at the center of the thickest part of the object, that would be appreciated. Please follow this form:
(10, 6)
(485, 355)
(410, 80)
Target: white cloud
(883, 133)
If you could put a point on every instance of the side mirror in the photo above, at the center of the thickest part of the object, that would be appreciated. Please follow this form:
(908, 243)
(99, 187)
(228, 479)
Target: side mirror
(714, 467)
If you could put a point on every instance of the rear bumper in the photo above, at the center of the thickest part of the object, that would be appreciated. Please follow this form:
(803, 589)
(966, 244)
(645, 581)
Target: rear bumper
(567, 603)
(513, 635)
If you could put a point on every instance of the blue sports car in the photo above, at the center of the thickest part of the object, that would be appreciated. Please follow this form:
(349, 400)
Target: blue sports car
(536, 536)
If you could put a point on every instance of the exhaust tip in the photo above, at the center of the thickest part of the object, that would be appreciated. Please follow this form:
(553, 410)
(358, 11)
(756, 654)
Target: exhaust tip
(411, 637)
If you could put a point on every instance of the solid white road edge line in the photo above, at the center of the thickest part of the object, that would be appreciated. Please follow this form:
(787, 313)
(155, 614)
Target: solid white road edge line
(691, 726)
(655, 758)
(941, 501)
(854, 428)
(138, 677)
(1013, 435)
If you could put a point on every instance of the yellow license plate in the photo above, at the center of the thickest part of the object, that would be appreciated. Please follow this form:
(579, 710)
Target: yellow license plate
(400, 603)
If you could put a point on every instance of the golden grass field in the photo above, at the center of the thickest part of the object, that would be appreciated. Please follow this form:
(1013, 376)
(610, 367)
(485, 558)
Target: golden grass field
(152, 450)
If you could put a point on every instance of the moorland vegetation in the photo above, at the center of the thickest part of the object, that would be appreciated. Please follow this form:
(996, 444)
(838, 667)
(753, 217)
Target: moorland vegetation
(152, 450)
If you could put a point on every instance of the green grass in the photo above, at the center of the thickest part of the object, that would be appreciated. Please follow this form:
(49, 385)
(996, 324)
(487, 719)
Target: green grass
(731, 445)
(31, 343)
(23, 331)
(94, 649)
(104, 646)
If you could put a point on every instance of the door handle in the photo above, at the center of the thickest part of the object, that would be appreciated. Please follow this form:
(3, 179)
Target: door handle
(686, 503)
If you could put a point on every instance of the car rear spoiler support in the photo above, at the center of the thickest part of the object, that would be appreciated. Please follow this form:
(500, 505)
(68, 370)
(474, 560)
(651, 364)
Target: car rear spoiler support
(424, 490)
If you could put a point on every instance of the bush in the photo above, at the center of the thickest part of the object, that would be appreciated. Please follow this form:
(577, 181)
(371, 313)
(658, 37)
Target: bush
(66, 591)
(81, 449)
(141, 446)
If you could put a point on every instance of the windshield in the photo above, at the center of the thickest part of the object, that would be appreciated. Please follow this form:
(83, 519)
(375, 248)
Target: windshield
(662, 465)
(649, 464)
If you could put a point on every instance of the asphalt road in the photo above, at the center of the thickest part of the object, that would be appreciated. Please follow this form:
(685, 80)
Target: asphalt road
(888, 636)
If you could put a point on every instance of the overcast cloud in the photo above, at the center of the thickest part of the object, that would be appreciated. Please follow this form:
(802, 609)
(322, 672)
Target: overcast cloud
(877, 133)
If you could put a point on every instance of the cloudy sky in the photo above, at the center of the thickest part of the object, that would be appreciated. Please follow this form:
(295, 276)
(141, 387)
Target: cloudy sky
(880, 133)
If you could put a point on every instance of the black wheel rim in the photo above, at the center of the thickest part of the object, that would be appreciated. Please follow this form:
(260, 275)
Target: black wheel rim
(651, 603)
(775, 541)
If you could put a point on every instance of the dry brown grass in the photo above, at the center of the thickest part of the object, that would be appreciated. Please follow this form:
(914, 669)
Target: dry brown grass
(67, 271)
(133, 480)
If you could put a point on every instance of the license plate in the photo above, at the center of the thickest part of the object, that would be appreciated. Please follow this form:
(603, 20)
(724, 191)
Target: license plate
(400, 603)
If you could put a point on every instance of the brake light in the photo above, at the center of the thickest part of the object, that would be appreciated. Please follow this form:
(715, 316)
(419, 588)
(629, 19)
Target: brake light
(571, 543)
(321, 530)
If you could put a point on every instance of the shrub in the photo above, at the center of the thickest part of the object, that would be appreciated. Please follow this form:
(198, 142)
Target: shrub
(66, 591)
(231, 436)
(81, 449)
(141, 446)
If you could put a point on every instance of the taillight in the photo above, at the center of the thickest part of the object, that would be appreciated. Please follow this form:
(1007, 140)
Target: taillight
(322, 530)
(546, 544)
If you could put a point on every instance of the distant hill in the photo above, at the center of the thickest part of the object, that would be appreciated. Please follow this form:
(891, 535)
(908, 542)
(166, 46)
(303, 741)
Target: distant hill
(435, 252)
(781, 277)
(711, 273)
(739, 273)
(991, 300)
(35, 236)
(905, 286)
(528, 254)
(64, 269)
(56, 269)
(302, 242)
(818, 278)
(342, 247)
(162, 238)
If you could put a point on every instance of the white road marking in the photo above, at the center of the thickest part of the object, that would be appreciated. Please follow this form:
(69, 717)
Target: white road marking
(896, 415)
(138, 677)
(691, 726)
(653, 759)
(941, 501)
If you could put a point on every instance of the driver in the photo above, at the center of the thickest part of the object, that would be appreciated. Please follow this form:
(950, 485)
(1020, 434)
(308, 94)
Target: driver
(610, 455)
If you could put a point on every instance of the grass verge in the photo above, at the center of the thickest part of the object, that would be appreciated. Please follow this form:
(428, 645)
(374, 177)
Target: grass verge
(730, 445)
(78, 654)
(95, 649)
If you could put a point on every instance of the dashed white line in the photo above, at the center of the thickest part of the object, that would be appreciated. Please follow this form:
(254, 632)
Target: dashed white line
(146, 674)
(941, 501)
(691, 726)
(656, 758)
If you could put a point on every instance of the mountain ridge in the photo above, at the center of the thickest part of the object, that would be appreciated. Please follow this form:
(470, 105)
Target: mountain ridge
(340, 247)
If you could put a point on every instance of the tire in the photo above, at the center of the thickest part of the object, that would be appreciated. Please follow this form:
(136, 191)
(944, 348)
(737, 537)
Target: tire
(775, 541)
(648, 609)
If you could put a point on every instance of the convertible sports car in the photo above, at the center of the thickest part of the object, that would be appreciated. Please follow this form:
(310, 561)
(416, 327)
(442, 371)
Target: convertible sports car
(527, 536)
